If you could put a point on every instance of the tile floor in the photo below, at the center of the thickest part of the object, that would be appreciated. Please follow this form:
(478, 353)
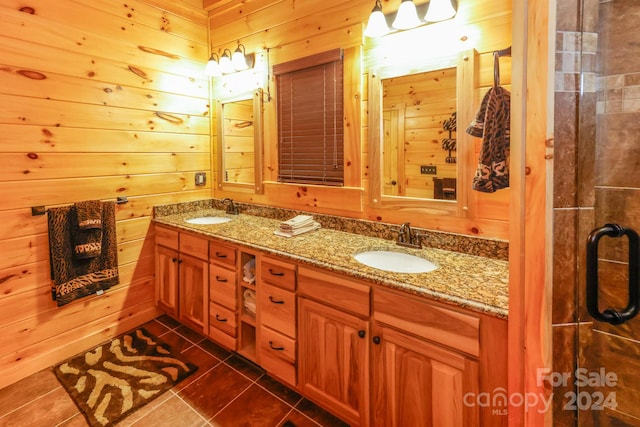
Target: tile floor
(225, 391)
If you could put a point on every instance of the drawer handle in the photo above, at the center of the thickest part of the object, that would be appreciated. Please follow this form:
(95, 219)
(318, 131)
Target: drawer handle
(275, 301)
(275, 273)
(220, 319)
(275, 348)
(221, 255)
(221, 279)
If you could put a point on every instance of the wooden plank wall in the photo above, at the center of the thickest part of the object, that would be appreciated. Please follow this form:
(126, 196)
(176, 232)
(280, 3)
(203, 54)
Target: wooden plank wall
(285, 30)
(98, 99)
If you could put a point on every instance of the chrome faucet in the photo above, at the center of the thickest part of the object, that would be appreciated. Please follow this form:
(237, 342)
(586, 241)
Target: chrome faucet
(406, 236)
(232, 209)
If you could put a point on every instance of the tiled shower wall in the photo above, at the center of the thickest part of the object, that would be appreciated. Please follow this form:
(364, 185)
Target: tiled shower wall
(596, 181)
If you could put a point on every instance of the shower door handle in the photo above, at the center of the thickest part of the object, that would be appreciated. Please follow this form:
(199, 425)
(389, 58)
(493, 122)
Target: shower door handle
(609, 315)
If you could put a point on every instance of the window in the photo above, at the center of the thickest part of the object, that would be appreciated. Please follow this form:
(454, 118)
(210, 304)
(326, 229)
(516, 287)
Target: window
(310, 119)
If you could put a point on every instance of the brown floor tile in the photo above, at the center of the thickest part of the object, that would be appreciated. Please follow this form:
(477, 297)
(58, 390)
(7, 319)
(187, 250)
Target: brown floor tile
(216, 350)
(77, 420)
(26, 390)
(168, 321)
(214, 390)
(156, 328)
(203, 360)
(193, 336)
(245, 367)
(319, 415)
(255, 407)
(296, 419)
(171, 413)
(50, 409)
(279, 389)
(146, 409)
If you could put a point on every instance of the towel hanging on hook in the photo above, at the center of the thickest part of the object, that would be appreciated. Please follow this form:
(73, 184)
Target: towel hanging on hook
(496, 64)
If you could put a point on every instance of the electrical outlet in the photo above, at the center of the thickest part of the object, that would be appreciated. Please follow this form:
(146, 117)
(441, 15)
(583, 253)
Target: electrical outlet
(201, 178)
(428, 170)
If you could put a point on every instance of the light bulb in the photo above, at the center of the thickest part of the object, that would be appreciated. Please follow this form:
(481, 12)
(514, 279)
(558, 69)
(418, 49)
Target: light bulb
(407, 16)
(213, 68)
(377, 24)
(439, 10)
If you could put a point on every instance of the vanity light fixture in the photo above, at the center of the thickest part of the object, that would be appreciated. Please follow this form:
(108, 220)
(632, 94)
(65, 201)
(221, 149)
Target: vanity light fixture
(407, 16)
(439, 10)
(213, 66)
(229, 63)
(377, 24)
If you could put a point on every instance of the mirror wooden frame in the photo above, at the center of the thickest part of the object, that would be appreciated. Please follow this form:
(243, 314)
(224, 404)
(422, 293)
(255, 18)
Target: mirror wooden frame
(465, 64)
(256, 186)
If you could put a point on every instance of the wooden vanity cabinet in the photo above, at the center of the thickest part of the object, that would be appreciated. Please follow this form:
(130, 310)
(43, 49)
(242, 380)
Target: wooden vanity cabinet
(333, 340)
(182, 272)
(426, 363)
(277, 318)
(166, 265)
(223, 294)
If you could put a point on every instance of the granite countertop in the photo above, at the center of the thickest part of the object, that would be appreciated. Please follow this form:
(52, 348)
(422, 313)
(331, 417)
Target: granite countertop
(469, 281)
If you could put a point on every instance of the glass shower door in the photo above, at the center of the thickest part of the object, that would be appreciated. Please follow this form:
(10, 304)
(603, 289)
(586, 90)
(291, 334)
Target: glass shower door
(608, 176)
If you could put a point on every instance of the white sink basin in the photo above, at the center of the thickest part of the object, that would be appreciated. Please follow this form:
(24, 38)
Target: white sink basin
(207, 220)
(396, 262)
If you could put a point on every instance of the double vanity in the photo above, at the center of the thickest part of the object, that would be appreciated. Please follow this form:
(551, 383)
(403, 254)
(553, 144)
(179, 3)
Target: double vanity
(376, 333)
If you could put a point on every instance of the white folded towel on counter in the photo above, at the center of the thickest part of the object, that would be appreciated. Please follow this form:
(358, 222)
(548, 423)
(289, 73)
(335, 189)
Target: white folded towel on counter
(297, 225)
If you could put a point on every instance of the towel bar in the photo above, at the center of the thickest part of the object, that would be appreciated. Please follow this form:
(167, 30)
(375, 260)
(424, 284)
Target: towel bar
(41, 210)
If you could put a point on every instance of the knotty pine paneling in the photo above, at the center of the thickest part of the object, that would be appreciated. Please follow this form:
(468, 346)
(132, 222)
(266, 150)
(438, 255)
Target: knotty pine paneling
(98, 100)
(287, 30)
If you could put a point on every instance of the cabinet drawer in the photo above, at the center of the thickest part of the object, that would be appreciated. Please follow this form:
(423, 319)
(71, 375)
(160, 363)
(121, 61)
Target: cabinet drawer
(223, 319)
(166, 237)
(222, 286)
(278, 273)
(222, 253)
(335, 290)
(278, 309)
(431, 321)
(193, 245)
(278, 355)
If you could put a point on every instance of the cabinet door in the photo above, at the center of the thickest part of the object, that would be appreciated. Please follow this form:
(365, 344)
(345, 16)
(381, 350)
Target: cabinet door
(167, 280)
(417, 383)
(333, 360)
(194, 275)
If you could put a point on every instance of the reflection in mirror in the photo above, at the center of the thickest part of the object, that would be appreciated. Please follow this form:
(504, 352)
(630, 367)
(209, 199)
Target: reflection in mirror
(419, 135)
(417, 159)
(239, 137)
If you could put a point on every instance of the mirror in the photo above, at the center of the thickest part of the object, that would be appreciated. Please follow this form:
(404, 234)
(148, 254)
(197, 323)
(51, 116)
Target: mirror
(239, 142)
(418, 158)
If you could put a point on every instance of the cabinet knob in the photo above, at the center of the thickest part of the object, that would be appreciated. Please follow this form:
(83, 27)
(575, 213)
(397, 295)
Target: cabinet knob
(220, 319)
(361, 333)
(275, 301)
(179, 261)
(275, 348)
(174, 259)
(376, 340)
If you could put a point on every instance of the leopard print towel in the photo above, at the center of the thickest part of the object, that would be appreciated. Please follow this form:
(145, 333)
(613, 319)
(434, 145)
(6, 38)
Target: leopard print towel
(492, 123)
(75, 277)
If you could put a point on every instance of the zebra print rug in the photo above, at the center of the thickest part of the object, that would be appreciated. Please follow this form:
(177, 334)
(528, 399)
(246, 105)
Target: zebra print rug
(115, 378)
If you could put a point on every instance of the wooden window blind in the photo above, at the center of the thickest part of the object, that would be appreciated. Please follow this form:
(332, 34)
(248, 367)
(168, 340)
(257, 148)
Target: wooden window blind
(310, 119)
